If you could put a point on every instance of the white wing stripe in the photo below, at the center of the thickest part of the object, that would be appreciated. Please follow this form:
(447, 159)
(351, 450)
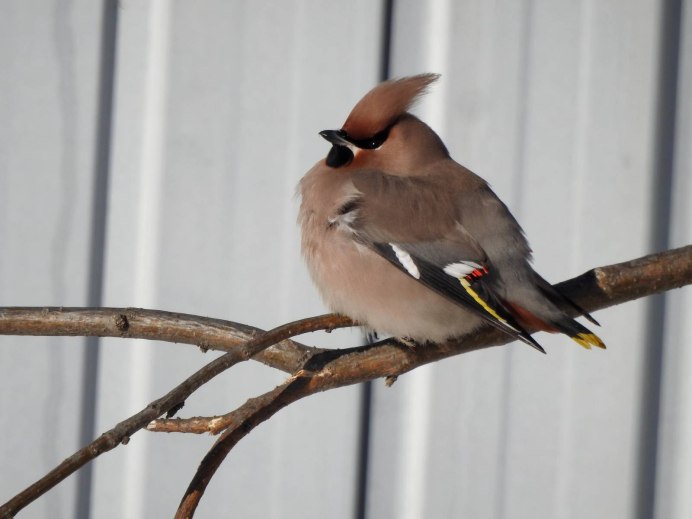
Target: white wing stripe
(406, 260)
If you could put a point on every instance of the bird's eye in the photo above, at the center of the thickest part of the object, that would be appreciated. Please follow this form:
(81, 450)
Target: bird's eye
(373, 142)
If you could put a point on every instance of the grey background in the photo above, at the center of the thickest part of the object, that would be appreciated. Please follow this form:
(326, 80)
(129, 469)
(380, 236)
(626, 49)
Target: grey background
(149, 152)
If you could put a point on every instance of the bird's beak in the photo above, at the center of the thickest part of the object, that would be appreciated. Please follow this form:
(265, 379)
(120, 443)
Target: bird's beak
(342, 150)
(336, 137)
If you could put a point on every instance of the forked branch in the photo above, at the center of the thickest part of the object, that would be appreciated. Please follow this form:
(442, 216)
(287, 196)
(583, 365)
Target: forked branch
(316, 369)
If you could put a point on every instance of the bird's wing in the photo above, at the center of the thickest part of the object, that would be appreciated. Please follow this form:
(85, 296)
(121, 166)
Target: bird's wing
(413, 224)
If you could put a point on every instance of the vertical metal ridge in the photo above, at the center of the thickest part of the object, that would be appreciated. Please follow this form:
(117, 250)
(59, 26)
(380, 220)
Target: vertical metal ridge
(363, 450)
(365, 417)
(107, 56)
(386, 42)
(661, 192)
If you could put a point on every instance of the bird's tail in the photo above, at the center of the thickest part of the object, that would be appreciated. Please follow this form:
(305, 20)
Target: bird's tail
(578, 333)
(562, 324)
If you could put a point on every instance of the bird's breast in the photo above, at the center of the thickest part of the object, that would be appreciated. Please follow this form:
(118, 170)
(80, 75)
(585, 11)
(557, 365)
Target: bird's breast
(357, 282)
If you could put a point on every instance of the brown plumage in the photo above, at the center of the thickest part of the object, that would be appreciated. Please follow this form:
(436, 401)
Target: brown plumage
(406, 241)
(384, 104)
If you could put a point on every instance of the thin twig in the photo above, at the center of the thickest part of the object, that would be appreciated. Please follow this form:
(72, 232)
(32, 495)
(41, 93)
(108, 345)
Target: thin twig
(248, 416)
(122, 431)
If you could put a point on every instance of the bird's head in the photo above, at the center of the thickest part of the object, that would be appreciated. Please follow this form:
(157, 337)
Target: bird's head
(379, 133)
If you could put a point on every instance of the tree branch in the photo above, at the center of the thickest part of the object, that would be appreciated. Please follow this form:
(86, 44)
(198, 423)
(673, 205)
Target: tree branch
(138, 323)
(121, 432)
(321, 369)
(596, 289)
(593, 290)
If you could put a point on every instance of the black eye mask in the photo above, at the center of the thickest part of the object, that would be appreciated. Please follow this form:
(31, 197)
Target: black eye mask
(340, 155)
(370, 143)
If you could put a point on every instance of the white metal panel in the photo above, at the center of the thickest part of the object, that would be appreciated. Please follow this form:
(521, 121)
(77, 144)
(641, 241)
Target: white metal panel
(217, 110)
(218, 105)
(587, 202)
(49, 55)
(674, 481)
(553, 103)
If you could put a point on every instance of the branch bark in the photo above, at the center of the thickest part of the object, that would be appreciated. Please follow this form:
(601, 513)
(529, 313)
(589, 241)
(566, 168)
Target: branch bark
(320, 369)
(139, 323)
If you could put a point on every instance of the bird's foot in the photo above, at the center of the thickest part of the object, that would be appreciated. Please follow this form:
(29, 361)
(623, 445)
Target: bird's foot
(408, 342)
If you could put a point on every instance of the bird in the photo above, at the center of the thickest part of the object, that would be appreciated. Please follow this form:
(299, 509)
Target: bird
(407, 242)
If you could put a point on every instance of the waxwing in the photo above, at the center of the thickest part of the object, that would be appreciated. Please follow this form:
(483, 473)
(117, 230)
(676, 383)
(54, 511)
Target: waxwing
(407, 242)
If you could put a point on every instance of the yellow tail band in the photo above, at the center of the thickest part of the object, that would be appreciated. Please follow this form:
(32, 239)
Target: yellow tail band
(586, 340)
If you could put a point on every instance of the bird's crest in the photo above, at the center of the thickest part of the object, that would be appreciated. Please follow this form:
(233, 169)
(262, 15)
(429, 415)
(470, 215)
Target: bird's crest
(380, 107)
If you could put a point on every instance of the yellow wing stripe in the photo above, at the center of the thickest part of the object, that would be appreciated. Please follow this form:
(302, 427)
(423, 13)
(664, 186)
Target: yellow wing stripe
(586, 340)
(477, 298)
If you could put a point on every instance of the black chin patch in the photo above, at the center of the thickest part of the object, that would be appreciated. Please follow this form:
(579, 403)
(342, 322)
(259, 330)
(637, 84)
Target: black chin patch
(339, 156)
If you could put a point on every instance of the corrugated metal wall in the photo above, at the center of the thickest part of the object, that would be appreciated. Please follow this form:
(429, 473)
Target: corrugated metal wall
(149, 152)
